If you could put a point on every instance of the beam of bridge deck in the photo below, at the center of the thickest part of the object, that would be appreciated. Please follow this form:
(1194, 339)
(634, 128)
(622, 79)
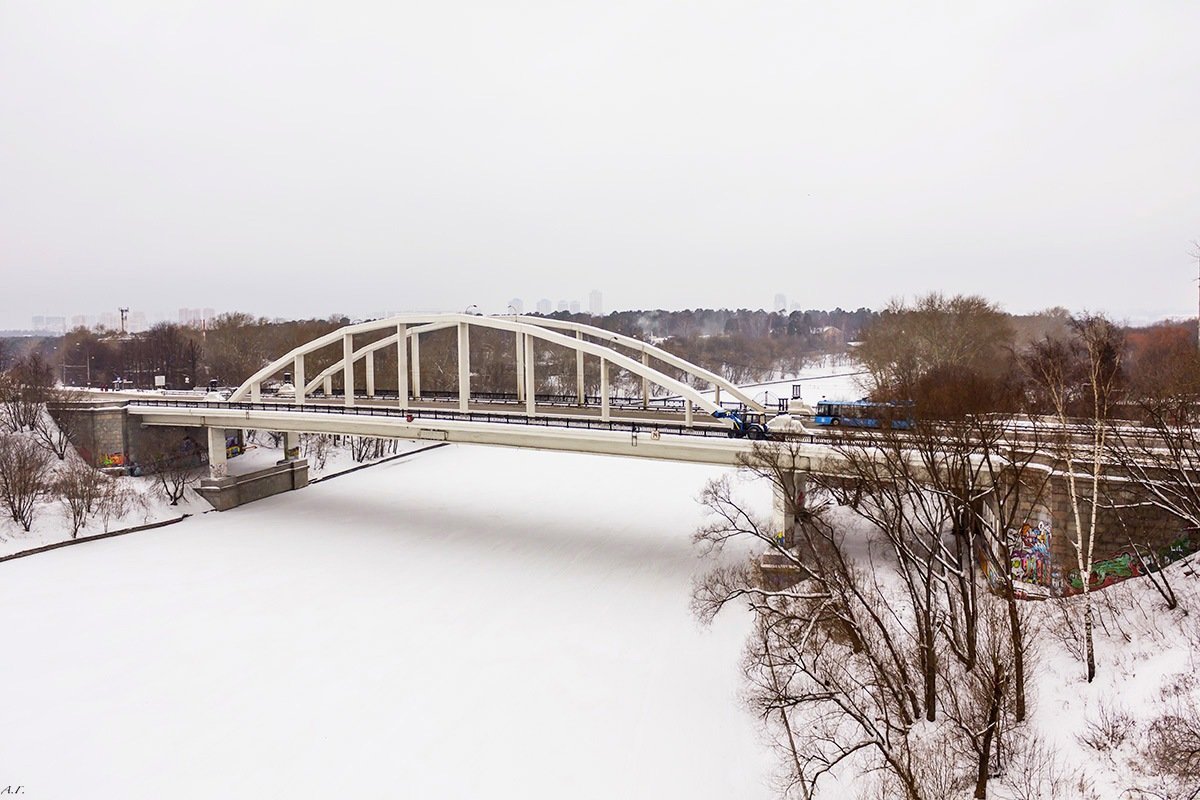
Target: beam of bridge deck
(693, 449)
(648, 417)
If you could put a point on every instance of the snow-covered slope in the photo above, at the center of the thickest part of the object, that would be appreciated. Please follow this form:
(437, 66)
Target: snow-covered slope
(470, 622)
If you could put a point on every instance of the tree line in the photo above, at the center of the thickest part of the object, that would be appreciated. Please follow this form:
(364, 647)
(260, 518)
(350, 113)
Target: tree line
(901, 646)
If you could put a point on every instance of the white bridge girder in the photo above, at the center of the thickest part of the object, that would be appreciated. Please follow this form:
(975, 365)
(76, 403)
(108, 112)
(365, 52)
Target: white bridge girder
(643, 444)
(409, 327)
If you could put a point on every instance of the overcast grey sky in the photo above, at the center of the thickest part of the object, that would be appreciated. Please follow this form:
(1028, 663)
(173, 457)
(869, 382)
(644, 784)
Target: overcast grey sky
(294, 159)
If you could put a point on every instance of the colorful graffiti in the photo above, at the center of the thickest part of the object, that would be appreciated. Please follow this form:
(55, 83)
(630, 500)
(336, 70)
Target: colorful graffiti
(1030, 550)
(1130, 565)
(112, 460)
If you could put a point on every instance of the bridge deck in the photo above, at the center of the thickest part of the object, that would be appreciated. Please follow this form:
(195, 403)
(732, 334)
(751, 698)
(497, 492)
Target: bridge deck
(671, 441)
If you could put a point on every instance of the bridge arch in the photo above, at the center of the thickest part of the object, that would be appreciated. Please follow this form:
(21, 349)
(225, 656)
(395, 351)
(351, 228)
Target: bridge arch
(526, 330)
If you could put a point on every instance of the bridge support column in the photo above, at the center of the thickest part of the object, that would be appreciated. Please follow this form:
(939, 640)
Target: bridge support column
(402, 365)
(464, 367)
(298, 378)
(605, 411)
(687, 412)
(416, 366)
(646, 381)
(371, 374)
(348, 368)
(530, 377)
(256, 393)
(579, 398)
(328, 387)
(519, 351)
(291, 446)
(217, 467)
(717, 396)
(789, 501)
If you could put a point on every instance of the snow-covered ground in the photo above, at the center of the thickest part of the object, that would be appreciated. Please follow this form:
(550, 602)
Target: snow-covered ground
(467, 622)
(844, 381)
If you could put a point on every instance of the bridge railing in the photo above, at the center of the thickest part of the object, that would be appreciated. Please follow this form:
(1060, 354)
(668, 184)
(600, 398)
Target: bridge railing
(412, 414)
(673, 404)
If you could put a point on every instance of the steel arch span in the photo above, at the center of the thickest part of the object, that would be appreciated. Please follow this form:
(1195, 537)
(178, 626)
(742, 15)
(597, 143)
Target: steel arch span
(405, 330)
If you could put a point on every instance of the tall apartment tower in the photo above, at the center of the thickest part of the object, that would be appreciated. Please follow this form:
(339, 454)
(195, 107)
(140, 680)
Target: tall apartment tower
(595, 303)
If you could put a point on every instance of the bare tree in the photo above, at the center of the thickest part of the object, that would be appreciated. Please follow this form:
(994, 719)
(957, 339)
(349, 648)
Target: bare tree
(54, 426)
(81, 490)
(23, 392)
(317, 447)
(830, 664)
(25, 470)
(175, 465)
(1081, 375)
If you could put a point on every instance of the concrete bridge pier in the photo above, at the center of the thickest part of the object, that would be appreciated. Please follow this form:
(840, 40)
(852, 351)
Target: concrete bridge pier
(790, 498)
(224, 491)
(788, 503)
(291, 446)
(217, 467)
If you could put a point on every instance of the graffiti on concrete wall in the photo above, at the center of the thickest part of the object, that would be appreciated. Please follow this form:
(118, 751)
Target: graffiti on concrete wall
(1107, 572)
(112, 459)
(1131, 565)
(1030, 551)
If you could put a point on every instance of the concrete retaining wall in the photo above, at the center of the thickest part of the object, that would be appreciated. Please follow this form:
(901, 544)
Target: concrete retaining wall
(233, 491)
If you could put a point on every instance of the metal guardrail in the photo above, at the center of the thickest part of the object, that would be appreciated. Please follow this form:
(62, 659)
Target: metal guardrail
(589, 400)
(579, 423)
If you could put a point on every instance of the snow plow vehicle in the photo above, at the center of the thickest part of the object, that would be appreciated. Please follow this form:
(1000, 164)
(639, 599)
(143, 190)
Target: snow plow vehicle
(745, 425)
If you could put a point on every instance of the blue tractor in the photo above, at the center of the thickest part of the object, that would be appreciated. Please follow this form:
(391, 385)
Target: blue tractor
(745, 426)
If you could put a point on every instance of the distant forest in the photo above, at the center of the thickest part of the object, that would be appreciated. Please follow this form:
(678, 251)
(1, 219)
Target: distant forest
(743, 345)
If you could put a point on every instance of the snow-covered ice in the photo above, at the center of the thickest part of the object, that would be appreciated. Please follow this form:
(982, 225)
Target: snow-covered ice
(467, 622)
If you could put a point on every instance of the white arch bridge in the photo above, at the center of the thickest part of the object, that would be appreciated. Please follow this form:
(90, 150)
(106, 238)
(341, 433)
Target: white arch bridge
(667, 428)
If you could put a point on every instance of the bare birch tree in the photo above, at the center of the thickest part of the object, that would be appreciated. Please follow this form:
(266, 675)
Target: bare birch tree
(1082, 376)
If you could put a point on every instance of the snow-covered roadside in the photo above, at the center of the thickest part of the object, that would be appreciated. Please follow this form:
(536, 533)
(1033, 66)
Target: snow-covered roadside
(146, 505)
(841, 381)
(1147, 667)
(141, 505)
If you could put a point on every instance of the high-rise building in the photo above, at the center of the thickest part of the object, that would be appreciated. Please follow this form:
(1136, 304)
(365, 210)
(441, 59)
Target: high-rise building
(517, 305)
(43, 324)
(780, 302)
(544, 306)
(79, 321)
(595, 303)
(574, 306)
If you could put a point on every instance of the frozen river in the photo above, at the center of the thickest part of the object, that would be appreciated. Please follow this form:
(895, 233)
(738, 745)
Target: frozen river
(470, 622)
